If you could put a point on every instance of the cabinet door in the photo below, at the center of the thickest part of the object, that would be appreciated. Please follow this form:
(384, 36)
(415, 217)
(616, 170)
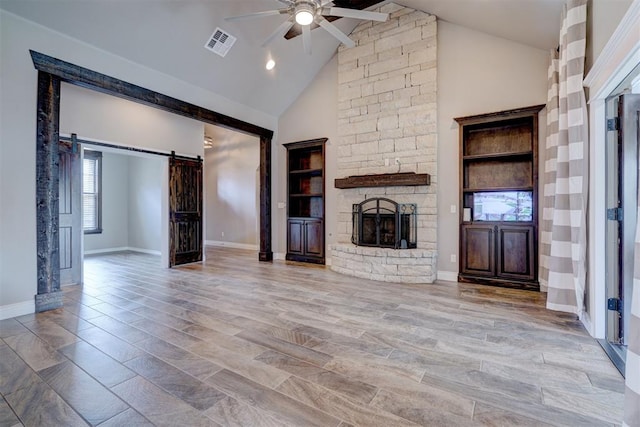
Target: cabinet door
(478, 250)
(314, 241)
(296, 237)
(516, 252)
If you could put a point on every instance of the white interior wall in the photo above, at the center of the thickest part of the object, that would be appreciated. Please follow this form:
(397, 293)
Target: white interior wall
(231, 206)
(313, 115)
(95, 116)
(145, 203)
(602, 19)
(131, 204)
(115, 206)
(477, 73)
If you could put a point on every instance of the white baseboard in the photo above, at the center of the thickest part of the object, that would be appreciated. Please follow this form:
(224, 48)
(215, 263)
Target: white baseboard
(105, 250)
(448, 276)
(145, 251)
(586, 322)
(122, 249)
(279, 256)
(18, 309)
(231, 245)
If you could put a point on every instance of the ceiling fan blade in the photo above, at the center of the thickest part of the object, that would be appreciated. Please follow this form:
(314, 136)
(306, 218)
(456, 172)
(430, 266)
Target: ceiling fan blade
(257, 14)
(282, 28)
(287, 2)
(306, 39)
(335, 32)
(354, 13)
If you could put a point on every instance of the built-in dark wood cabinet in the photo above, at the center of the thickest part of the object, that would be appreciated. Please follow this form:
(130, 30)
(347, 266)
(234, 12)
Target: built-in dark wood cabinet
(499, 198)
(305, 201)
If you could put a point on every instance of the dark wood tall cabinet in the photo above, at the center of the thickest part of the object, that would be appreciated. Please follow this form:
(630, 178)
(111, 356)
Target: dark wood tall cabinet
(305, 201)
(499, 198)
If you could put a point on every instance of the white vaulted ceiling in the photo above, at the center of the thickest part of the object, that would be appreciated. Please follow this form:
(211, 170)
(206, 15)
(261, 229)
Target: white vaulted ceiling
(169, 35)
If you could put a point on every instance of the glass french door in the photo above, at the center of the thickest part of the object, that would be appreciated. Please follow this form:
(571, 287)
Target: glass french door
(622, 201)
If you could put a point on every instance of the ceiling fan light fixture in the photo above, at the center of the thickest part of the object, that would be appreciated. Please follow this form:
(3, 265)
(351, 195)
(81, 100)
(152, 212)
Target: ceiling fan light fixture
(305, 12)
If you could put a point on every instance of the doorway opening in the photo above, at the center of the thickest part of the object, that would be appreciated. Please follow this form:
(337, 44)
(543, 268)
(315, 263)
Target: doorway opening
(231, 188)
(52, 72)
(118, 204)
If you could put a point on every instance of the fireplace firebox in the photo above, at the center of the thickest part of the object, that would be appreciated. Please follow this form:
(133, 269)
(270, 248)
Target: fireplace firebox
(383, 223)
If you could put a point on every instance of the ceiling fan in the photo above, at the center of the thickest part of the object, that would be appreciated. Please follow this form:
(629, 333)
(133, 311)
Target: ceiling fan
(305, 13)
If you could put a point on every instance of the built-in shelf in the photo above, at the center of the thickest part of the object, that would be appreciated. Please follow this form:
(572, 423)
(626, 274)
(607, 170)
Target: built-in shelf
(305, 201)
(498, 156)
(496, 189)
(498, 198)
(384, 180)
(306, 171)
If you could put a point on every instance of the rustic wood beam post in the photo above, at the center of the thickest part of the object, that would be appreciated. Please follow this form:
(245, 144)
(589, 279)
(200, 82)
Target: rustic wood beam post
(266, 253)
(49, 295)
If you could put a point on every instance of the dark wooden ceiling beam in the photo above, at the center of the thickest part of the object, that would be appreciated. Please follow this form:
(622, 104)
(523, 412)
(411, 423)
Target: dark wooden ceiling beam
(99, 82)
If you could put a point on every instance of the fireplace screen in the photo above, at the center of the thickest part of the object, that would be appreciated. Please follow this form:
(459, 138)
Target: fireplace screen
(384, 223)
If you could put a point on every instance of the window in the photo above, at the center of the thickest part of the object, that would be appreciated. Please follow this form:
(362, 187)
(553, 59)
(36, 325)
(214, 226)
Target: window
(92, 192)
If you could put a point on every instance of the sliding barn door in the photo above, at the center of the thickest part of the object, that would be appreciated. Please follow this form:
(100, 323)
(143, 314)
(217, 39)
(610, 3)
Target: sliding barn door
(185, 211)
(70, 217)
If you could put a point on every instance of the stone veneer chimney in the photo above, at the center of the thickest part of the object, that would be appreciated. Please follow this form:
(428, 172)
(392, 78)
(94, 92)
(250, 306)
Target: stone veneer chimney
(387, 110)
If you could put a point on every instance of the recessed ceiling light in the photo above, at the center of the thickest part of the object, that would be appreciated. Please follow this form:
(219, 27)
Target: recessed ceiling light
(270, 64)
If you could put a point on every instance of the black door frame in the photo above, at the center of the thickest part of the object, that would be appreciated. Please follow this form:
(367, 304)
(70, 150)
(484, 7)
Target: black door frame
(53, 71)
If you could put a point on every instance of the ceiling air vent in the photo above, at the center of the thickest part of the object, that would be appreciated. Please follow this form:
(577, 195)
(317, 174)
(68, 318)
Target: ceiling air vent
(220, 42)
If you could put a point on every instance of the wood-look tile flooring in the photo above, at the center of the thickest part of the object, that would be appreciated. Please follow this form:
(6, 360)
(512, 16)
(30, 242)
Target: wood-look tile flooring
(235, 342)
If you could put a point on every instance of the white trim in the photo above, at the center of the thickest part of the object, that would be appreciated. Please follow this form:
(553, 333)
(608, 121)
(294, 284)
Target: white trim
(279, 256)
(122, 249)
(18, 309)
(597, 273)
(145, 251)
(586, 322)
(447, 276)
(231, 245)
(619, 56)
(106, 250)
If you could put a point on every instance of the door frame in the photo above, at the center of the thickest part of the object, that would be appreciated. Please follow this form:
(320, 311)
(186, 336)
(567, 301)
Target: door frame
(51, 73)
(616, 62)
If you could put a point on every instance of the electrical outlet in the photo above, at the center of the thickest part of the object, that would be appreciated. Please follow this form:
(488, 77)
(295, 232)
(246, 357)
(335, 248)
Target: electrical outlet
(453, 208)
(222, 234)
(454, 258)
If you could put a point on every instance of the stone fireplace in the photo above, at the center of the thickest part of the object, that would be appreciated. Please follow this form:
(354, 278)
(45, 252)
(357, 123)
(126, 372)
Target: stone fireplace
(387, 144)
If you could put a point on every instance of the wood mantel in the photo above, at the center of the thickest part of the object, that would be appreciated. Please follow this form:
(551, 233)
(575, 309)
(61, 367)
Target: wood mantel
(384, 180)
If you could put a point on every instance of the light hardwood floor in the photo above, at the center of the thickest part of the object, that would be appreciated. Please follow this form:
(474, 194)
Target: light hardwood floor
(241, 343)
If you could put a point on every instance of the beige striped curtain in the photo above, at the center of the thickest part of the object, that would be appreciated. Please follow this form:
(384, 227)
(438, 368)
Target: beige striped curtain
(564, 208)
